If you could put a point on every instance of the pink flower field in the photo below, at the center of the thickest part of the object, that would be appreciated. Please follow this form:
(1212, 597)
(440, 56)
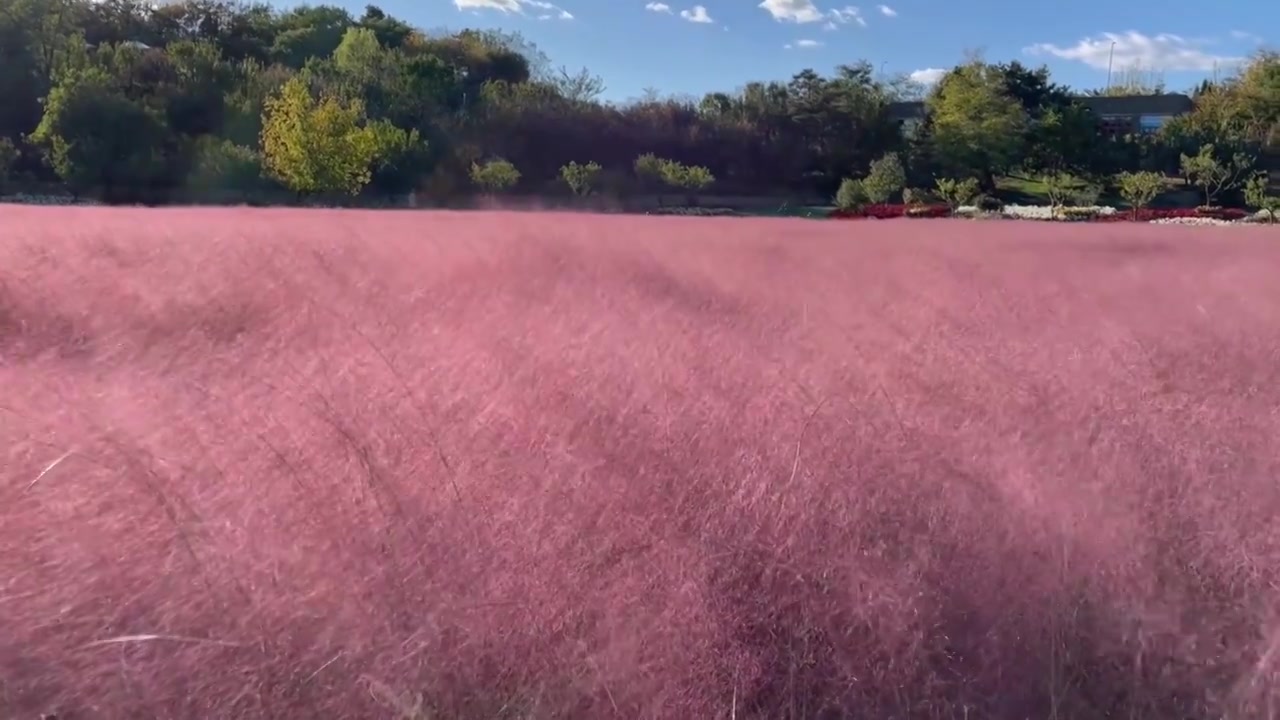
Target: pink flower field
(342, 464)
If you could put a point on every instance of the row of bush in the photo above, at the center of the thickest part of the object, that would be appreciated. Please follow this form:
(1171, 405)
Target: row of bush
(1067, 213)
(886, 180)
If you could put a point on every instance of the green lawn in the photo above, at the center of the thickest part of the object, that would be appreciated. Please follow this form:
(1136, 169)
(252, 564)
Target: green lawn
(1018, 190)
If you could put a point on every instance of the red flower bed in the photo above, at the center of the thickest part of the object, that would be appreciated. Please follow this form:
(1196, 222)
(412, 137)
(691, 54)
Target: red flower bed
(884, 211)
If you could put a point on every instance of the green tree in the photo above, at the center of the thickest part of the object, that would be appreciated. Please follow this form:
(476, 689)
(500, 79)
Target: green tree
(851, 196)
(316, 146)
(1139, 188)
(1257, 194)
(8, 160)
(885, 178)
(1212, 175)
(581, 179)
(648, 168)
(976, 125)
(96, 138)
(222, 167)
(690, 178)
(1065, 188)
(401, 158)
(495, 176)
(957, 192)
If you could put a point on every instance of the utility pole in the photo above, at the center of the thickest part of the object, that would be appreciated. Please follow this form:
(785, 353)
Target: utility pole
(1111, 56)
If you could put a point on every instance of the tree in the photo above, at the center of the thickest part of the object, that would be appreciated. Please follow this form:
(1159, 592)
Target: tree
(1062, 140)
(1257, 194)
(691, 178)
(957, 192)
(96, 138)
(495, 175)
(976, 125)
(221, 166)
(851, 196)
(1212, 175)
(316, 147)
(1139, 188)
(648, 169)
(8, 159)
(401, 158)
(580, 178)
(1064, 188)
(885, 178)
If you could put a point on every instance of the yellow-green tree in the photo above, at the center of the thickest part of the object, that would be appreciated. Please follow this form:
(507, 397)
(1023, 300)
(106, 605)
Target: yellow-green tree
(978, 127)
(316, 146)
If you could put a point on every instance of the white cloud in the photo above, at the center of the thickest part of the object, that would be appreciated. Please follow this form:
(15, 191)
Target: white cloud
(806, 43)
(796, 11)
(887, 11)
(698, 14)
(658, 7)
(805, 11)
(927, 76)
(1151, 52)
(1246, 36)
(516, 7)
(846, 15)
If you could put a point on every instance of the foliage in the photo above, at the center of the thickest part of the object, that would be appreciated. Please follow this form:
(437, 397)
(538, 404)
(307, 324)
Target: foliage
(686, 177)
(1067, 189)
(581, 179)
(957, 192)
(885, 178)
(1257, 194)
(495, 175)
(1139, 188)
(8, 159)
(191, 70)
(96, 137)
(221, 166)
(914, 196)
(315, 146)
(851, 195)
(400, 158)
(1213, 175)
(976, 124)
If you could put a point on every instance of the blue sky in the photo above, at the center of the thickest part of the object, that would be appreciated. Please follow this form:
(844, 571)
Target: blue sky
(679, 46)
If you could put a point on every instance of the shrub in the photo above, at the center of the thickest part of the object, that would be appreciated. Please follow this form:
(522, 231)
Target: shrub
(957, 192)
(1257, 195)
(885, 178)
(1078, 214)
(581, 179)
(851, 195)
(1139, 188)
(495, 175)
(1067, 189)
(1212, 175)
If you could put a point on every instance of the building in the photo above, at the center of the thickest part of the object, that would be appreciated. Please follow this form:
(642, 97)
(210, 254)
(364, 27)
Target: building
(1136, 114)
(1119, 115)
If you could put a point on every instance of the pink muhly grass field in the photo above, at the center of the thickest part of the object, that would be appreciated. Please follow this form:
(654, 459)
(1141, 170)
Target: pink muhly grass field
(496, 465)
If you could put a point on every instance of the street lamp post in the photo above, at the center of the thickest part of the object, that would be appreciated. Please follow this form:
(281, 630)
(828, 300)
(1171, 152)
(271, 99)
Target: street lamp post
(1111, 56)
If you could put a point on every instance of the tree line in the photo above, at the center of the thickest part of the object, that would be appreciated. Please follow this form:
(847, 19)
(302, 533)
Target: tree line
(133, 101)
